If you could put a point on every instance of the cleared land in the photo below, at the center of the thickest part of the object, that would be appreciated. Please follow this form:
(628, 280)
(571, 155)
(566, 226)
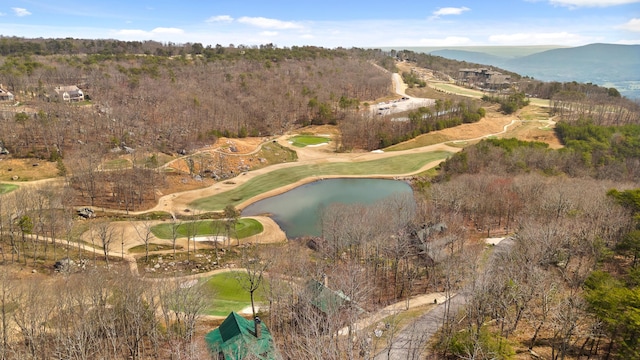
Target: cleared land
(27, 169)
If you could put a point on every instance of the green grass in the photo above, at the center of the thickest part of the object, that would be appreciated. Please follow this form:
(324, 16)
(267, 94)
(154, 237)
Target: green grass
(478, 94)
(539, 102)
(140, 249)
(244, 228)
(306, 140)
(459, 90)
(116, 164)
(420, 141)
(6, 188)
(227, 295)
(396, 165)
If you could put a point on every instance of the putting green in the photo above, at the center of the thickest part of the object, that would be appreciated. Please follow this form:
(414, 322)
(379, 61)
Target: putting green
(227, 294)
(243, 228)
(306, 140)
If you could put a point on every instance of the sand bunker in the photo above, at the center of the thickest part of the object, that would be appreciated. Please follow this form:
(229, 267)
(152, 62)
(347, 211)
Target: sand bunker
(218, 238)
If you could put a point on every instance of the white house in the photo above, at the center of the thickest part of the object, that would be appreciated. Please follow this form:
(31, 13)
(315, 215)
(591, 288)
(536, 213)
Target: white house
(69, 93)
(5, 95)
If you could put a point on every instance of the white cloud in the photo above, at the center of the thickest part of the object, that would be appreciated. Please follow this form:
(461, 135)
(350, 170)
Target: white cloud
(591, 3)
(631, 25)
(557, 38)
(2, 14)
(162, 30)
(269, 33)
(448, 41)
(449, 11)
(220, 18)
(20, 11)
(267, 23)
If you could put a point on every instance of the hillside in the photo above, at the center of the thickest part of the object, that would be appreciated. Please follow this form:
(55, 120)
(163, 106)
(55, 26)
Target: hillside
(595, 62)
(471, 56)
(603, 64)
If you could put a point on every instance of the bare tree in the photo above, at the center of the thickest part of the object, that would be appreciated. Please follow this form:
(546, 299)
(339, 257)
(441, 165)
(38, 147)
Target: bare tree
(105, 233)
(231, 215)
(175, 234)
(252, 278)
(143, 229)
(7, 294)
(33, 316)
(182, 304)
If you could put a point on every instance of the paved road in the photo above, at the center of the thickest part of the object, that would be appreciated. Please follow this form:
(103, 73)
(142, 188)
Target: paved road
(410, 342)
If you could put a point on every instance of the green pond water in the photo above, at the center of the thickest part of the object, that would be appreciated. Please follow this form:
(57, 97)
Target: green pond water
(297, 211)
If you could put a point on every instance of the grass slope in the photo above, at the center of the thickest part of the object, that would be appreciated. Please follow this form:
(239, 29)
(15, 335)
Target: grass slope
(227, 294)
(403, 164)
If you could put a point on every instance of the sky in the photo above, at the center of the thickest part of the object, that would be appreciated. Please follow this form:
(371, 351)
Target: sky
(330, 23)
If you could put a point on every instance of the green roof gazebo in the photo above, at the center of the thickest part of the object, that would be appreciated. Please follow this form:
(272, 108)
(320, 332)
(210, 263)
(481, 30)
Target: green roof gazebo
(238, 338)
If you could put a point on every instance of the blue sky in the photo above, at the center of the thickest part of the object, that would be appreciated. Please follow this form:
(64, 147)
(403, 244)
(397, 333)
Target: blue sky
(330, 23)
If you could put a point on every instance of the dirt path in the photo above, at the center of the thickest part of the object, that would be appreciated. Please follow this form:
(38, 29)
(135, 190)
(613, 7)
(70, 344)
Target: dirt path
(179, 202)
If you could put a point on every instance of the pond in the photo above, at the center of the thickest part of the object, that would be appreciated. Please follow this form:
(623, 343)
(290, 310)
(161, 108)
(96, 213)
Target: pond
(297, 210)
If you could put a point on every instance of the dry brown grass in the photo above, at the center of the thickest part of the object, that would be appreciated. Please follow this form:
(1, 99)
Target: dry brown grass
(26, 170)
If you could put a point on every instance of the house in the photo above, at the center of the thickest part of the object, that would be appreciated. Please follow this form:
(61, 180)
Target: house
(325, 300)
(484, 78)
(238, 338)
(428, 244)
(328, 301)
(68, 93)
(5, 95)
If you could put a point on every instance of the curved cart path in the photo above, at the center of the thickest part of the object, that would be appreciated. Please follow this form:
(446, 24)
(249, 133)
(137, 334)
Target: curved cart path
(411, 341)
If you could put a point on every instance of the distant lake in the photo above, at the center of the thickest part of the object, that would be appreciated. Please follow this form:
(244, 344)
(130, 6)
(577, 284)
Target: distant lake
(297, 210)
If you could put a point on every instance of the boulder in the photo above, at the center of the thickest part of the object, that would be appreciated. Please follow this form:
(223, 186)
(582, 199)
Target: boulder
(86, 213)
(63, 264)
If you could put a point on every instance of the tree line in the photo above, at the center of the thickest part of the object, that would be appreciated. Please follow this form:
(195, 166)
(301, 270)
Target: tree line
(567, 284)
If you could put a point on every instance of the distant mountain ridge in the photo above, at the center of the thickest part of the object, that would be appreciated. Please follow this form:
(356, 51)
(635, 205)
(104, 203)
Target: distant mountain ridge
(608, 65)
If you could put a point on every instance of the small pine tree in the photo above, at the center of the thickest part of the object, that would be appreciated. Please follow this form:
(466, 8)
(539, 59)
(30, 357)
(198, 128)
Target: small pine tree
(62, 170)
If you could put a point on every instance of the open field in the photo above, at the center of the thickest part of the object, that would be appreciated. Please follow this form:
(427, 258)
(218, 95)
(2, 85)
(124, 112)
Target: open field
(532, 123)
(243, 228)
(450, 88)
(454, 89)
(116, 164)
(227, 294)
(27, 169)
(278, 178)
(431, 138)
